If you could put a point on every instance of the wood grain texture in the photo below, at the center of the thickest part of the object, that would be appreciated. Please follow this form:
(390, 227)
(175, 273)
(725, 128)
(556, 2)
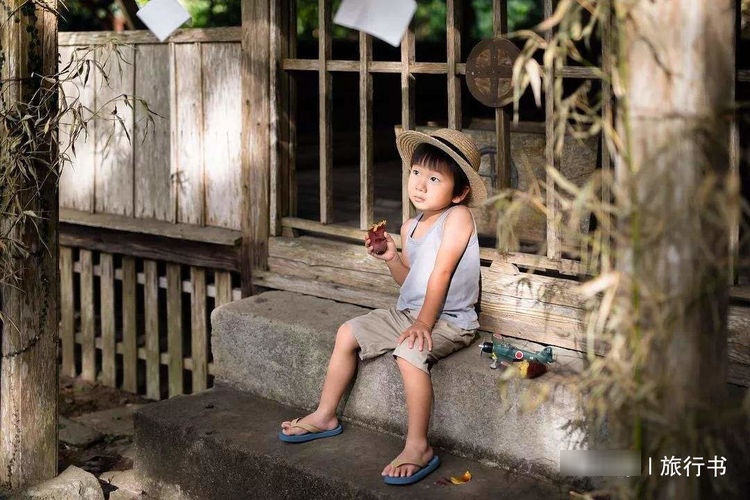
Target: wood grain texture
(325, 103)
(223, 287)
(187, 133)
(199, 347)
(114, 133)
(151, 247)
(151, 140)
(67, 313)
(129, 326)
(255, 156)
(107, 318)
(366, 146)
(28, 366)
(151, 321)
(79, 94)
(174, 329)
(88, 351)
(135, 37)
(222, 126)
(408, 109)
(453, 46)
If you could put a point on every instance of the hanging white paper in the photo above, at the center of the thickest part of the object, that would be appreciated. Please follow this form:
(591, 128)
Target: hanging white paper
(163, 17)
(384, 19)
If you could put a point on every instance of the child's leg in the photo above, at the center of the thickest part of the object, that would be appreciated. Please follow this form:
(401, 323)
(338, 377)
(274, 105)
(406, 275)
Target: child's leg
(418, 390)
(340, 372)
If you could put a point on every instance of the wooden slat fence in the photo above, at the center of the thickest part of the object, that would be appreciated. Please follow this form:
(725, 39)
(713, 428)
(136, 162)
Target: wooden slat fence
(139, 324)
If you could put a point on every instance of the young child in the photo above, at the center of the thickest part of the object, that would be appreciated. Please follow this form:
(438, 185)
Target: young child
(438, 271)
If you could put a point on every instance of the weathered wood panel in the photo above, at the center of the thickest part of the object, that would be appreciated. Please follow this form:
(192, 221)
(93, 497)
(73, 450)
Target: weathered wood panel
(77, 176)
(151, 247)
(174, 329)
(222, 126)
(151, 316)
(67, 314)
(107, 318)
(223, 288)
(187, 132)
(535, 307)
(366, 146)
(129, 332)
(453, 46)
(325, 104)
(188, 232)
(408, 107)
(181, 36)
(151, 141)
(255, 155)
(199, 347)
(88, 353)
(114, 132)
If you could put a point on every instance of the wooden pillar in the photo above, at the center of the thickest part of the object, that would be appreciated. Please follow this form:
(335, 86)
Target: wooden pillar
(29, 307)
(255, 154)
(676, 71)
(502, 115)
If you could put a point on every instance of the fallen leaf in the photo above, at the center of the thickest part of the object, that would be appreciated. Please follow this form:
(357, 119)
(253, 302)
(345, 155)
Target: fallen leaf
(463, 479)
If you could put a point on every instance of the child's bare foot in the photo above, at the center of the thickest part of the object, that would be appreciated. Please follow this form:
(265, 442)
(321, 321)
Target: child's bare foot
(412, 455)
(322, 422)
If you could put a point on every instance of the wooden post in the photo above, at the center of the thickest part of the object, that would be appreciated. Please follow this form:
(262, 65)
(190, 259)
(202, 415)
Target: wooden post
(255, 155)
(677, 72)
(502, 116)
(554, 251)
(408, 109)
(28, 366)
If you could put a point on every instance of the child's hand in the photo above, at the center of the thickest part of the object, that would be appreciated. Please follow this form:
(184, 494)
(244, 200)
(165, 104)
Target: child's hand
(390, 252)
(418, 333)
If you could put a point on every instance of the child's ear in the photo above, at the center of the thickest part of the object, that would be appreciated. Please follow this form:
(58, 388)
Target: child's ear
(458, 199)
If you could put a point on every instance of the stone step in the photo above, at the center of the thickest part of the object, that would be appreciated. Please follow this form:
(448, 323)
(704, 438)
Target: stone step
(223, 444)
(276, 345)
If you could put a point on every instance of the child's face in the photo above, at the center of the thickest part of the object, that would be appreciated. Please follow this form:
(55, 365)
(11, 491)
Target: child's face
(430, 190)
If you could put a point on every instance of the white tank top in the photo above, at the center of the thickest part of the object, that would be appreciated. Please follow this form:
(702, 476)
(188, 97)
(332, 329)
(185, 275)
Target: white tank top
(463, 291)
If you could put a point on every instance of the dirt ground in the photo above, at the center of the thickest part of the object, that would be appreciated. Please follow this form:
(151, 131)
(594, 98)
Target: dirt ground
(78, 397)
(111, 453)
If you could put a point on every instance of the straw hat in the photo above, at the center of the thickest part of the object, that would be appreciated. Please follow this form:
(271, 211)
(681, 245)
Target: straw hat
(458, 146)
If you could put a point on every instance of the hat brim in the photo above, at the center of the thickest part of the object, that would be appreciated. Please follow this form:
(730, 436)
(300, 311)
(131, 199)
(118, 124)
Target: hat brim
(408, 141)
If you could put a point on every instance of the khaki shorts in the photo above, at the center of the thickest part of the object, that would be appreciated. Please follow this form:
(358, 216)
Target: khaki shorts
(377, 331)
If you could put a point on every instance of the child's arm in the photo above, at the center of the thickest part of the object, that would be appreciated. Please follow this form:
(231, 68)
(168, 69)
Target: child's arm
(398, 265)
(459, 226)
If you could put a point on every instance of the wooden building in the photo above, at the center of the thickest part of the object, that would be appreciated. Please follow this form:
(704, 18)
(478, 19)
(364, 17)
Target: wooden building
(268, 160)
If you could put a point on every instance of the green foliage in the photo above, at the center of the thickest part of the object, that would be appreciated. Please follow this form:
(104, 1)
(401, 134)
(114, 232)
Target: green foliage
(522, 14)
(214, 13)
(429, 19)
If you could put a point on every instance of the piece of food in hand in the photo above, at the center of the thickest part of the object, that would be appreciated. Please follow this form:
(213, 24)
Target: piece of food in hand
(376, 233)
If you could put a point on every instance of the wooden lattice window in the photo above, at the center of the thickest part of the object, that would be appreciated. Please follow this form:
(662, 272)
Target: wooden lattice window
(310, 83)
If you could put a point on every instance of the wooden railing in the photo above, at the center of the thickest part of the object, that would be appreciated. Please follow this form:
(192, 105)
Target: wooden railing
(138, 324)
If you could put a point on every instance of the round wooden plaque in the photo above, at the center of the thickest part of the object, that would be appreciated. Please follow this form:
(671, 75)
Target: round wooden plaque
(489, 69)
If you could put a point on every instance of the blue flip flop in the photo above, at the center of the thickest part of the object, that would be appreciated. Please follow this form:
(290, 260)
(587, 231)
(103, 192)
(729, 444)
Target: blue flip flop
(426, 469)
(312, 433)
